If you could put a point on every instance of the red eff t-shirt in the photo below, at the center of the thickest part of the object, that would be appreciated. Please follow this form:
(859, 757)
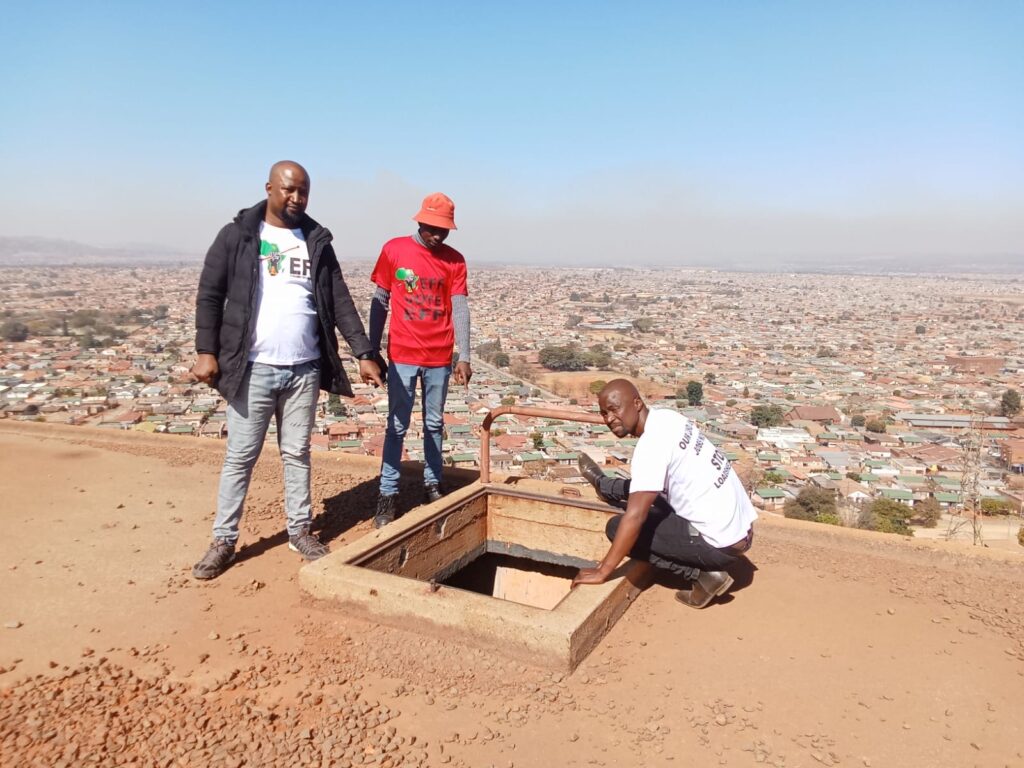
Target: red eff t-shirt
(422, 283)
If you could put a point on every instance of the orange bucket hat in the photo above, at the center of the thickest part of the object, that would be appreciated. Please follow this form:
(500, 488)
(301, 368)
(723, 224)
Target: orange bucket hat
(437, 210)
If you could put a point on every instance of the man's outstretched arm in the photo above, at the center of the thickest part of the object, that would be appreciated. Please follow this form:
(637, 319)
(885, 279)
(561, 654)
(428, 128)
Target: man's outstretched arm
(633, 518)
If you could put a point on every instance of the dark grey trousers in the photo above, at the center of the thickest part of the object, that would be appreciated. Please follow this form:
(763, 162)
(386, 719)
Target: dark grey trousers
(666, 540)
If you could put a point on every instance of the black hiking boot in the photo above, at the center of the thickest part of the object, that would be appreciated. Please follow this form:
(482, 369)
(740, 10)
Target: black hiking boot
(386, 510)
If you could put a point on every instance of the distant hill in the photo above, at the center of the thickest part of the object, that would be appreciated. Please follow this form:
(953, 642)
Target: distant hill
(49, 251)
(990, 264)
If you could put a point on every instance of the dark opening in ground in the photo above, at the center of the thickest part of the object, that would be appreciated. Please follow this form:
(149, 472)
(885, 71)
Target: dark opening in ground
(518, 579)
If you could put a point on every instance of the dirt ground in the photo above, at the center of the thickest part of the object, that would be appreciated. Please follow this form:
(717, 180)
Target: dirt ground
(839, 648)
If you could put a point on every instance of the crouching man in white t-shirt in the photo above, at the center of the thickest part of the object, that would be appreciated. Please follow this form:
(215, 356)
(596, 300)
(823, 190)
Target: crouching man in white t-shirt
(686, 511)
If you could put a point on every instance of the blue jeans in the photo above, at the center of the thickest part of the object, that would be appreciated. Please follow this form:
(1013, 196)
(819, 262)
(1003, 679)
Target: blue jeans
(287, 393)
(401, 395)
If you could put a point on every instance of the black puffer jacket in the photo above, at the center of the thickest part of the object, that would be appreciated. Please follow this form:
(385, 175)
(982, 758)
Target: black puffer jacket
(226, 302)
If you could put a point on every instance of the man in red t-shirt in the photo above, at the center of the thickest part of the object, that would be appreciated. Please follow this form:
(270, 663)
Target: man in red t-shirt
(422, 283)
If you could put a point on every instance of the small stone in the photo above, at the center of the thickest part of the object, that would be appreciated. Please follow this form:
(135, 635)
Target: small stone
(13, 624)
(891, 611)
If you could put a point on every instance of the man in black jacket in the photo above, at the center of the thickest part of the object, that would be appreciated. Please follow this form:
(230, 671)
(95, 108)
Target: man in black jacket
(270, 296)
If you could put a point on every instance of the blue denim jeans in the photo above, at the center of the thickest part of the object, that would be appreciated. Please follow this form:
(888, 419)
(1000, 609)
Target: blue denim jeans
(287, 393)
(401, 395)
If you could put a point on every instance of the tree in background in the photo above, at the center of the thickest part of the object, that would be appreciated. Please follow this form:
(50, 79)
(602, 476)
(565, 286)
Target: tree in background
(643, 324)
(875, 425)
(888, 516)
(538, 440)
(567, 358)
(773, 478)
(919, 329)
(926, 513)
(996, 507)
(766, 415)
(694, 393)
(858, 420)
(596, 386)
(12, 330)
(815, 504)
(597, 356)
(334, 406)
(710, 377)
(1009, 405)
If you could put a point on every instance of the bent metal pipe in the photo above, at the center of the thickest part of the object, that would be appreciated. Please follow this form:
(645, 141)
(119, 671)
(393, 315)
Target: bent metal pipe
(564, 414)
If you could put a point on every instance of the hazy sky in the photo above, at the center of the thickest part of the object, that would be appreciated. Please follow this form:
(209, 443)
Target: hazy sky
(578, 132)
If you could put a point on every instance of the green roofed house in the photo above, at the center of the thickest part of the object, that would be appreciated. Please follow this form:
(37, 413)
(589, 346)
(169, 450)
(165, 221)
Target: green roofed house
(530, 456)
(346, 445)
(769, 498)
(947, 499)
(461, 459)
(901, 495)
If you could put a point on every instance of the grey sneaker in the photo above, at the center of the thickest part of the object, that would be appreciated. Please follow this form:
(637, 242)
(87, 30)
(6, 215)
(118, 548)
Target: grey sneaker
(307, 545)
(386, 511)
(218, 557)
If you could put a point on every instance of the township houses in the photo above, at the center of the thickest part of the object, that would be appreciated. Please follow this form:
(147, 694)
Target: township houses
(927, 388)
(826, 415)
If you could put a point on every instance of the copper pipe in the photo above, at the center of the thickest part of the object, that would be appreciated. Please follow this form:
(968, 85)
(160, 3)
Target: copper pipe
(585, 417)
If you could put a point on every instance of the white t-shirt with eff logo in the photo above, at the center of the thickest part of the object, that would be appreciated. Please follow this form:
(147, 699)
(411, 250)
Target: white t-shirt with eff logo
(286, 330)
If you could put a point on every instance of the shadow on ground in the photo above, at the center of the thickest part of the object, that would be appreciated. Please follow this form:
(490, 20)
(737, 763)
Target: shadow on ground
(352, 506)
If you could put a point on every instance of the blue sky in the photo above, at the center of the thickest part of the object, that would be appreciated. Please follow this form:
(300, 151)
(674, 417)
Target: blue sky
(565, 132)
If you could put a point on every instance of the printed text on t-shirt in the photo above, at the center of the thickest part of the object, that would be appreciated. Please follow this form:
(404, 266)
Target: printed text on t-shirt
(718, 459)
(426, 301)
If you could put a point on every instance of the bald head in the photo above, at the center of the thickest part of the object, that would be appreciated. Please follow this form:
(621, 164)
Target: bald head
(624, 387)
(623, 409)
(287, 194)
(282, 166)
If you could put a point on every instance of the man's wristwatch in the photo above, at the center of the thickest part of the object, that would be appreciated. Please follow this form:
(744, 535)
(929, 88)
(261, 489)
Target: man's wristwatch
(366, 356)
